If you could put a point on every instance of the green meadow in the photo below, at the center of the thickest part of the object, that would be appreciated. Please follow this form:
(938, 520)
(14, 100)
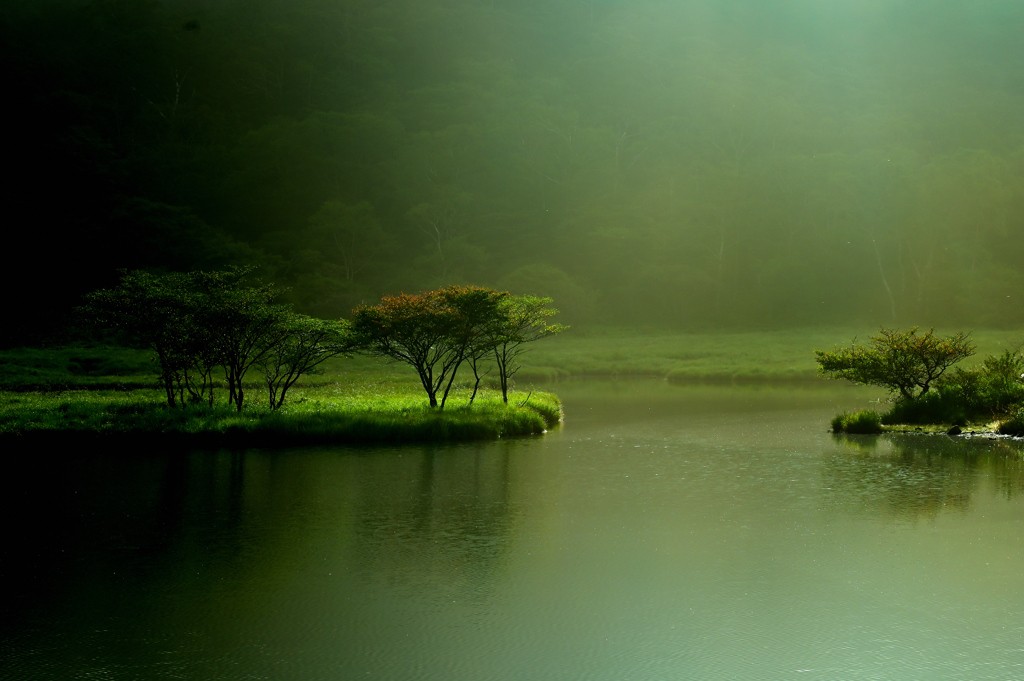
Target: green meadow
(681, 357)
(743, 356)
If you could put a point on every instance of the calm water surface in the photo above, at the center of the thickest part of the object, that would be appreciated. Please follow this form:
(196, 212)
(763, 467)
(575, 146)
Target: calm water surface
(661, 533)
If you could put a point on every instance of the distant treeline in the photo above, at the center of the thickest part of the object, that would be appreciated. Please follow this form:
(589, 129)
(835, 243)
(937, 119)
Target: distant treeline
(726, 164)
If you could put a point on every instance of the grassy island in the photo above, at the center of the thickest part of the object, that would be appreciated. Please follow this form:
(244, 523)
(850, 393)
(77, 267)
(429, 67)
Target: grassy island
(365, 412)
(207, 336)
(82, 392)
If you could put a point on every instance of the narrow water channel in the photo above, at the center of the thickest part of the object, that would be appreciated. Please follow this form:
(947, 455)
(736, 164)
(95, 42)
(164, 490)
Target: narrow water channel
(662, 532)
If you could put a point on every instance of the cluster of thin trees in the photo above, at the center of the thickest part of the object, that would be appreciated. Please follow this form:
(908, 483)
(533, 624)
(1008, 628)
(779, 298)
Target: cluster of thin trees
(197, 323)
(201, 323)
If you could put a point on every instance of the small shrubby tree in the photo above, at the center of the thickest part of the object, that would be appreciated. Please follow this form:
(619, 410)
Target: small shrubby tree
(307, 343)
(904, 362)
(989, 391)
(521, 320)
(1001, 377)
(481, 314)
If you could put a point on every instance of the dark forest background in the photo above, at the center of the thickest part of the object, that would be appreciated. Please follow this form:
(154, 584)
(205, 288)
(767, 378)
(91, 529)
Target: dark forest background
(680, 164)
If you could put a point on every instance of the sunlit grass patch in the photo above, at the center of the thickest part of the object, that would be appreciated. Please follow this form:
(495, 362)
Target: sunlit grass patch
(862, 422)
(365, 413)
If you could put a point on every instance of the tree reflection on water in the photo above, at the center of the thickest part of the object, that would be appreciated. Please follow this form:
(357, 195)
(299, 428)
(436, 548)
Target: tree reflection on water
(919, 476)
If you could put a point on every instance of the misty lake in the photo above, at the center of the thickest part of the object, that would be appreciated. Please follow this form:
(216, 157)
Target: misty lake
(662, 532)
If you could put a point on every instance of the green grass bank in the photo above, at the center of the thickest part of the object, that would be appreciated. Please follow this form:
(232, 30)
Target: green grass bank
(111, 392)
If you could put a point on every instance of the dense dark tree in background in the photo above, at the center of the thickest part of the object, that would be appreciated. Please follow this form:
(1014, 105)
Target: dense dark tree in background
(692, 164)
(197, 322)
(162, 314)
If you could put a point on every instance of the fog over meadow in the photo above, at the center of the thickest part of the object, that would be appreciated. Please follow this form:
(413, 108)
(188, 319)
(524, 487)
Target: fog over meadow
(693, 165)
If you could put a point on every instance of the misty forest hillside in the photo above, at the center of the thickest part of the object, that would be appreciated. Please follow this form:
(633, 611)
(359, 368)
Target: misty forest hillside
(675, 163)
